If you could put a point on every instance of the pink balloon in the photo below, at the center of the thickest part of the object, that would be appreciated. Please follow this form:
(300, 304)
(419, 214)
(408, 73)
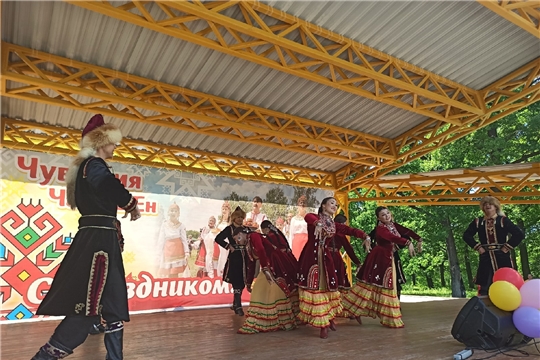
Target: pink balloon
(510, 275)
(530, 294)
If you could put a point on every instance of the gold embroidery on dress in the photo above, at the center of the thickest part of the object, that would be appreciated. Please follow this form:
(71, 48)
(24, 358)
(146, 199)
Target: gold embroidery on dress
(328, 226)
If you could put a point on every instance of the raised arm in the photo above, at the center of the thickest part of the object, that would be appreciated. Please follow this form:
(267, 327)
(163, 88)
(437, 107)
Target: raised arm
(347, 230)
(384, 233)
(404, 231)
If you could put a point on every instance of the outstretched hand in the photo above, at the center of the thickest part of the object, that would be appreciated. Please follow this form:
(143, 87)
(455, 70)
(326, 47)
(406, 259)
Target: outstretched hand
(367, 244)
(419, 247)
(135, 214)
(412, 253)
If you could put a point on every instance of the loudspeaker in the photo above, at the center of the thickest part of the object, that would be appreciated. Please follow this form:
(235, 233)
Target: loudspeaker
(481, 325)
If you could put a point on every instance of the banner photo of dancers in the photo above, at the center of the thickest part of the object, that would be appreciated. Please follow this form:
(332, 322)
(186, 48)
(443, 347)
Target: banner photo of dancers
(170, 257)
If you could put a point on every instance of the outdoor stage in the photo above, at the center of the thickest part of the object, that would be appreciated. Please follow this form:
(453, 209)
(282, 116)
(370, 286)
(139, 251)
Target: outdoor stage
(211, 334)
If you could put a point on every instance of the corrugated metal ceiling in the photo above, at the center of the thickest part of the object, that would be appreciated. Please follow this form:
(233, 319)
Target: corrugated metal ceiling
(159, 57)
(459, 40)
(74, 119)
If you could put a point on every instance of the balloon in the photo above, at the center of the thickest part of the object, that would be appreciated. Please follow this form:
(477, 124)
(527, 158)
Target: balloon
(510, 275)
(504, 295)
(530, 294)
(527, 321)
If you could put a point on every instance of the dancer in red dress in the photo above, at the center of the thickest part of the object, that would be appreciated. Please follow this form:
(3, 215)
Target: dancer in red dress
(374, 294)
(274, 295)
(318, 281)
(343, 243)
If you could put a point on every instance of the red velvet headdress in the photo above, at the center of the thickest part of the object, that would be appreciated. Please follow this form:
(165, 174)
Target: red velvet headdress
(95, 135)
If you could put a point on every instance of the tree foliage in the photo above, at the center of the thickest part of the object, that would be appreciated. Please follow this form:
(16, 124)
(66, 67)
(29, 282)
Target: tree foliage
(237, 198)
(276, 196)
(514, 139)
(309, 193)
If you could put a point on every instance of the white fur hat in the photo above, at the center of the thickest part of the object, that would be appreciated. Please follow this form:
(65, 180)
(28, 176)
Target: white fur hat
(95, 135)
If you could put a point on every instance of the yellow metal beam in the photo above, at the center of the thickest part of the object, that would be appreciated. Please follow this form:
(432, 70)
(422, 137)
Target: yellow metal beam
(342, 199)
(26, 135)
(130, 97)
(512, 184)
(525, 14)
(515, 91)
(264, 35)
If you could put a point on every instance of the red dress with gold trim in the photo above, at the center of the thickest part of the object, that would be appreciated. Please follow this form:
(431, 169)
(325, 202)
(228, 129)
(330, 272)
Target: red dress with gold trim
(271, 305)
(341, 242)
(374, 294)
(318, 280)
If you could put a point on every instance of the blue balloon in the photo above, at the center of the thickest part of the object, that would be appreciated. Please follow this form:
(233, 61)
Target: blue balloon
(527, 321)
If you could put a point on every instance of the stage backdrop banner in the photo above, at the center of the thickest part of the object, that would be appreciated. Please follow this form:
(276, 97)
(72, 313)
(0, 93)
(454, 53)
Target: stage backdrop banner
(181, 214)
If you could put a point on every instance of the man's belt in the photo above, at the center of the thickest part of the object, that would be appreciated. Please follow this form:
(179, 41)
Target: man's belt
(492, 247)
(98, 221)
(105, 222)
(238, 247)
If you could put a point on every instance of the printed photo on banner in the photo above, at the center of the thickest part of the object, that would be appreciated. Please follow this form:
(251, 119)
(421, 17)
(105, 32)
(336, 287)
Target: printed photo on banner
(170, 256)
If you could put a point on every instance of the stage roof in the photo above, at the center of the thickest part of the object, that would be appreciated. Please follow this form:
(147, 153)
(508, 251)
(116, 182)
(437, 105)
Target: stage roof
(512, 184)
(340, 91)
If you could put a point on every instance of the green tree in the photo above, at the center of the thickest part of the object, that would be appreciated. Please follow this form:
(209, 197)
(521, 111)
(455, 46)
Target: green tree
(193, 233)
(312, 201)
(235, 197)
(276, 196)
(512, 140)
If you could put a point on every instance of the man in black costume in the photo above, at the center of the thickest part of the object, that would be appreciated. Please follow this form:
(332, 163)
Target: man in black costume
(494, 247)
(90, 284)
(237, 261)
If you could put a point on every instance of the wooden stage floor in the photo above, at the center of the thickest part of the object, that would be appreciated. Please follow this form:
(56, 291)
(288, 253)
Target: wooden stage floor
(211, 334)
